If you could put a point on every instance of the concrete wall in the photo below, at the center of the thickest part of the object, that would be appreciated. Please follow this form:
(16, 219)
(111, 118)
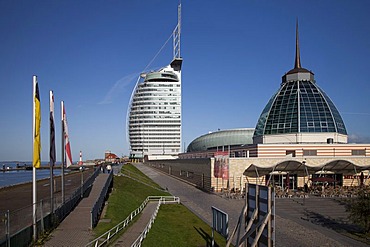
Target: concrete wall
(194, 171)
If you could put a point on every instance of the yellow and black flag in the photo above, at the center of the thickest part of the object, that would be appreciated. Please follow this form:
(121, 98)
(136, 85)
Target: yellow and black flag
(36, 125)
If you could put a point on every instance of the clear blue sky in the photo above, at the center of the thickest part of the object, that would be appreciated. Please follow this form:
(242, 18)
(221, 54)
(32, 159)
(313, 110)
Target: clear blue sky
(235, 53)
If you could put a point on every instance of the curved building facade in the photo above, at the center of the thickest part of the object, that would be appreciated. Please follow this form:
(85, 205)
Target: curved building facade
(300, 112)
(154, 114)
(222, 138)
(154, 125)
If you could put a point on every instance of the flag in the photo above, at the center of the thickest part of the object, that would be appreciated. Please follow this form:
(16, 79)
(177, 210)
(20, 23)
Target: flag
(66, 140)
(36, 125)
(52, 153)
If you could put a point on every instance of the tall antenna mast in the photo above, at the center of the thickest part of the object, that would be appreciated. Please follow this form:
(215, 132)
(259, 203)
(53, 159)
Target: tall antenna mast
(177, 35)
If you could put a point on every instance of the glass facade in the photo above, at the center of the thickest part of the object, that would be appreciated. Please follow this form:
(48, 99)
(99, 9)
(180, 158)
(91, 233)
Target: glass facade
(222, 139)
(299, 107)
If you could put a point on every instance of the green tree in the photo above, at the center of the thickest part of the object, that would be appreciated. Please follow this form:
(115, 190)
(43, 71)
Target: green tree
(359, 209)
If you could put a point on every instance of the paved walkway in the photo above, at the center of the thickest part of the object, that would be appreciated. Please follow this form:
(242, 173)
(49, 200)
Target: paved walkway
(75, 228)
(134, 230)
(293, 227)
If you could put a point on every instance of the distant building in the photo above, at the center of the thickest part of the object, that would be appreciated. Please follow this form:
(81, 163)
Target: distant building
(111, 157)
(222, 140)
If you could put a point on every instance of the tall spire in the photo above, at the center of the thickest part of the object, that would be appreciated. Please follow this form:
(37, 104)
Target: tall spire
(297, 64)
(297, 73)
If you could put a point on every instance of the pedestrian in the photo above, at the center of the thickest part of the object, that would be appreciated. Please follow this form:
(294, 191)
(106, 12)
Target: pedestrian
(305, 188)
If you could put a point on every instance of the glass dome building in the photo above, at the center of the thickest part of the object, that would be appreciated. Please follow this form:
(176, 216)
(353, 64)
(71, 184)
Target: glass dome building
(300, 112)
(222, 139)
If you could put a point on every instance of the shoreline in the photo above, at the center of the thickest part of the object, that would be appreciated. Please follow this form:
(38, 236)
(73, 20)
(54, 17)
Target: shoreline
(66, 173)
(18, 176)
(19, 195)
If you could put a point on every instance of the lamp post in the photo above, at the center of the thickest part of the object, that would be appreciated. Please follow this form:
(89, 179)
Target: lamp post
(305, 186)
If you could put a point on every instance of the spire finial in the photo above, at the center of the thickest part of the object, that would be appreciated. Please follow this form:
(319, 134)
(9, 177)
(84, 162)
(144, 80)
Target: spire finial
(297, 55)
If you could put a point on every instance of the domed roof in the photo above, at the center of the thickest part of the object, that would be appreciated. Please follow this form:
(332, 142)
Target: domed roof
(299, 106)
(231, 137)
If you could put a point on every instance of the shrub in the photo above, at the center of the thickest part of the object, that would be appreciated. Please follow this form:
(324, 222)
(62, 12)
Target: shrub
(359, 209)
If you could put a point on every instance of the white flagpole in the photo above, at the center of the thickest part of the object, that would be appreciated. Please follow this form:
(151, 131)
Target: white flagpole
(34, 187)
(62, 154)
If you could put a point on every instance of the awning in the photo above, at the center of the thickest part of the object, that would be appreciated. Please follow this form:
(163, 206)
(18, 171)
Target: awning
(302, 168)
(290, 166)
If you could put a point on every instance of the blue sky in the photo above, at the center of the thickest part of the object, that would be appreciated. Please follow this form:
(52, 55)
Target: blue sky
(235, 53)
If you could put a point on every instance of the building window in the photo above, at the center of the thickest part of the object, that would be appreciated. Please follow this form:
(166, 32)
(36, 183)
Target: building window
(324, 124)
(310, 124)
(309, 152)
(290, 153)
(359, 152)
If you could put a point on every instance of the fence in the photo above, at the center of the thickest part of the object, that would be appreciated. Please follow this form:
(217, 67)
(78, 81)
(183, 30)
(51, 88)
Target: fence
(162, 200)
(104, 238)
(98, 206)
(201, 181)
(17, 227)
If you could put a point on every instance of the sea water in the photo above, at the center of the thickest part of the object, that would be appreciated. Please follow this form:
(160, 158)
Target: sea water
(8, 178)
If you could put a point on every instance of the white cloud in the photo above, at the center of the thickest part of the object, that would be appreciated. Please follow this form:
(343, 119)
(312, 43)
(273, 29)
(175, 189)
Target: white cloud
(355, 138)
(118, 87)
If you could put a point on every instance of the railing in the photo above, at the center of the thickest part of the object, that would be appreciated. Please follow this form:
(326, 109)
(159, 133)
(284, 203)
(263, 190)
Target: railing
(163, 200)
(63, 210)
(104, 238)
(97, 208)
(16, 224)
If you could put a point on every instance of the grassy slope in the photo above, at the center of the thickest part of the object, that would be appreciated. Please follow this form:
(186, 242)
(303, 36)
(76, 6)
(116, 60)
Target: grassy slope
(175, 225)
(126, 196)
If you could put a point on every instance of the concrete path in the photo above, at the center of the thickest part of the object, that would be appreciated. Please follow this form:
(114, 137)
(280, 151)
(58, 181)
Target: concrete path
(75, 228)
(134, 230)
(292, 226)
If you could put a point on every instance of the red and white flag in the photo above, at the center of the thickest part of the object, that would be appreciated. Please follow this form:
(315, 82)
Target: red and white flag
(68, 153)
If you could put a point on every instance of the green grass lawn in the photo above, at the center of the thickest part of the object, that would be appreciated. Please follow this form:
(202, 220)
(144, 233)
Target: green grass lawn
(126, 196)
(175, 225)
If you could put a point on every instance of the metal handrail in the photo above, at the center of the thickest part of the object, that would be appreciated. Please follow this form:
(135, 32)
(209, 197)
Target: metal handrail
(97, 208)
(142, 236)
(105, 237)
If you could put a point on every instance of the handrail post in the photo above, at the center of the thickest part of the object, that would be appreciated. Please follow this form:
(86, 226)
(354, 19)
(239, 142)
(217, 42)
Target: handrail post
(42, 216)
(91, 219)
(7, 225)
